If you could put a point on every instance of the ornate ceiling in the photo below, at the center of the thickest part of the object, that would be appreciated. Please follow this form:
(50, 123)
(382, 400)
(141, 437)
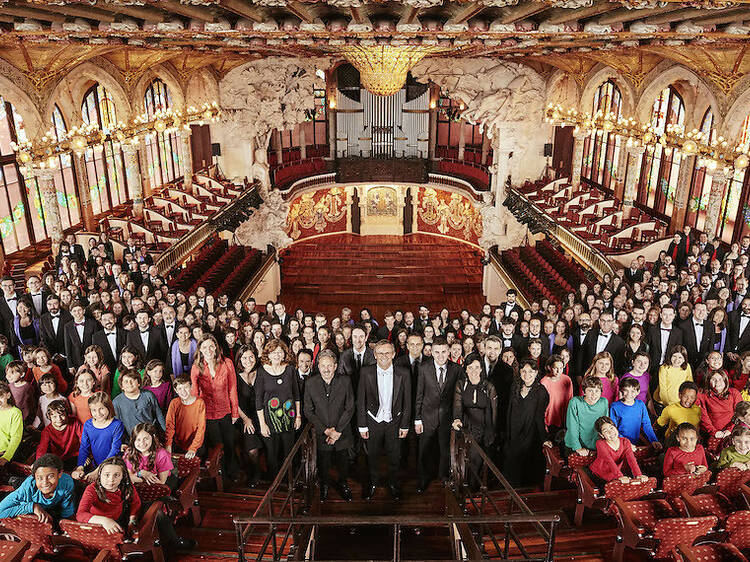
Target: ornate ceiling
(45, 39)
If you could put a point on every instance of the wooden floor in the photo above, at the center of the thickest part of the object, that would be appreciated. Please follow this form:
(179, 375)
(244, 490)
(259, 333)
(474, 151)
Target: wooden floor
(382, 273)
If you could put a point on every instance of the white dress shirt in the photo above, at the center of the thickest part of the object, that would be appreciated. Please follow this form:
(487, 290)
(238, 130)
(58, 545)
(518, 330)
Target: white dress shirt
(144, 339)
(664, 333)
(170, 333)
(79, 329)
(602, 340)
(743, 323)
(55, 322)
(385, 395)
(112, 339)
(698, 333)
(37, 300)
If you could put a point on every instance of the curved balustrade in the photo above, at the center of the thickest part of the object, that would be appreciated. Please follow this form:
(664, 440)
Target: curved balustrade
(289, 172)
(475, 173)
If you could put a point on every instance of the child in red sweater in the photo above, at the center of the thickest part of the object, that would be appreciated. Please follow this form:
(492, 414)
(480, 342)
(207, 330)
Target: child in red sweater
(111, 501)
(688, 457)
(612, 451)
(62, 437)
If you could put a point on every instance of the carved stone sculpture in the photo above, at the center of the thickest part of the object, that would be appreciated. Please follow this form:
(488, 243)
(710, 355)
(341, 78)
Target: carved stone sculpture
(267, 225)
(499, 227)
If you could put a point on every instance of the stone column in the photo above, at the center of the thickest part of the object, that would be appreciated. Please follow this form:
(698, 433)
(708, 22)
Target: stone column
(147, 183)
(461, 140)
(635, 158)
(485, 148)
(331, 99)
(302, 142)
(276, 145)
(575, 169)
(45, 179)
(682, 193)
(187, 160)
(84, 192)
(718, 188)
(133, 177)
(622, 165)
(502, 146)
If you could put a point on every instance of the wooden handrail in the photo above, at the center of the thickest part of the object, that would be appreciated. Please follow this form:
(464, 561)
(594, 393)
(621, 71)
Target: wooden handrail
(508, 280)
(257, 277)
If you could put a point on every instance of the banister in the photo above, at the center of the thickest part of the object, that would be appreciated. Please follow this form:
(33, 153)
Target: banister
(574, 244)
(508, 280)
(257, 277)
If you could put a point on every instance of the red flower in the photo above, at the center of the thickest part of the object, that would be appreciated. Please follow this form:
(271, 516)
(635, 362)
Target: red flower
(273, 403)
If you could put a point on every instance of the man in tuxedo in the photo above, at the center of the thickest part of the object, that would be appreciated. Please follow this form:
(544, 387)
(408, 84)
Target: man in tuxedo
(8, 303)
(37, 295)
(51, 326)
(423, 318)
(662, 337)
(147, 339)
(704, 245)
(634, 274)
(280, 311)
(510, 304)
(602, 339)
(697, 335)
(388, 330)
(169, 333)
(412, 361)
(508, 337)
(76, 250)
(304, 369)
(356, 357)
(111, 339)
(79, 335)
(496, 325)
(329, 405)
(433, 413)
(409, 324)
(384, 414)
(739, 335)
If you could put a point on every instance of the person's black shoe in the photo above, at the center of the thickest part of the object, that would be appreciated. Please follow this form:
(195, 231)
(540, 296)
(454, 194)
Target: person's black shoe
(369, 492)
(395, 492)
(182, 543)
(345, 491)
(323, 492)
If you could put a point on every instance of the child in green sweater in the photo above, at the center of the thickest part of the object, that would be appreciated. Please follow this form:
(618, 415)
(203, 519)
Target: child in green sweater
(5, 356)
(737, 455)
(583, 411)
(11, 425)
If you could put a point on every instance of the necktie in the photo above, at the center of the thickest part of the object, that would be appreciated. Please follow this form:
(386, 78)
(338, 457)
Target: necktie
(80, 323)
(441, 380)
(359, 361)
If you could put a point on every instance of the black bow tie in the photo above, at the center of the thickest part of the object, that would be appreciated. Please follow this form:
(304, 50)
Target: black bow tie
(54, 315)
(603, 335)
(144, 331)
(699, 324)
(80, 323)
(111, 333)
(170, 327)
(666, 329)
(36, 294)
(11, 299)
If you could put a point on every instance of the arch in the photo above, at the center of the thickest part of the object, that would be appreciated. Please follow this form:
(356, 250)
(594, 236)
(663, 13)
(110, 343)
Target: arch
(700, 180)
(164, 74)
(162, 149)
(201, 88)
(564, 90)
(602, 149)
(600, 77)
(735, 117)
(32, 117)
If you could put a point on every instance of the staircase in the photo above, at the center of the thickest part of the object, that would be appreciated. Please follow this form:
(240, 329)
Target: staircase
(381, 273)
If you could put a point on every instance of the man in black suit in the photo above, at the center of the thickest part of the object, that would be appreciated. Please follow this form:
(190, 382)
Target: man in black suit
(356, 357)
(329, 405)
(384, 414)
(510, 304)
(412, 361)
(697, 335)
(634, 274)
(280, 311)
(662, 338)
(51, 326)
(37, 295)
(433, 413)
(76, 250)
(602, 339)
(739, 334)
(580, 335)
(8, 302)
(111, 339)
(388, 330)
(147, 339)
(509, 338)
(79, 335)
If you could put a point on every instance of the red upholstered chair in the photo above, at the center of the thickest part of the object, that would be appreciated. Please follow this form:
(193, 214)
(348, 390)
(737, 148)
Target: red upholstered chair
(730, 482)
(188, 470)
(738, 527)
(13, 551)
(37, 534)
(636, 522)
(556, 466)
(149, 493)
(675, 486)
(93, 538)
(213, 466)
(710, 502)
(714, 552)
(592, 496)
(671, 532)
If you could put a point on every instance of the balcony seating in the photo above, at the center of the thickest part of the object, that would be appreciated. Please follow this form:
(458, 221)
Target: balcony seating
(474, 173)
(241, 274)
(286, 174)
(210, 252)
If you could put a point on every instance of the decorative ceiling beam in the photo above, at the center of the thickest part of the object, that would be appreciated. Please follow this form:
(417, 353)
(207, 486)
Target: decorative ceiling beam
(243, 9)
(572, 15)
(622, 15)
(140, 12)
(357, 15)
(303, 12)
(465, 13)
(677, 15)
(516, 13)
(32, 13)
(194, 12)
(725, 16)
(409, 14)
(78, 12)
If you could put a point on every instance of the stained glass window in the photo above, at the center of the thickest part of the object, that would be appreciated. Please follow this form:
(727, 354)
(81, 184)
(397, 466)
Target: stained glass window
(601, 150)
(162, 149)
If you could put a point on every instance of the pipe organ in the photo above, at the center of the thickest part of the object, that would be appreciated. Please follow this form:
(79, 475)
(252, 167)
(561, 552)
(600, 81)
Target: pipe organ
(383, 126)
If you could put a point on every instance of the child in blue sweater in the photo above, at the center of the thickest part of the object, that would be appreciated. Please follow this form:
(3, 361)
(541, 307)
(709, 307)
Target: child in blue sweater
(101, 437)
(47, 493)
(631, 416)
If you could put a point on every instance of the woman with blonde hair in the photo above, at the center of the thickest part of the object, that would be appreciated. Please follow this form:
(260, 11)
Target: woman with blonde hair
(214, 380)
(602, 367)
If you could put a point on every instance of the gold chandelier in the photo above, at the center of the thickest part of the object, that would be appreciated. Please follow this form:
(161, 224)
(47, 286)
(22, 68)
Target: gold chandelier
(383, 68)
(43, 152)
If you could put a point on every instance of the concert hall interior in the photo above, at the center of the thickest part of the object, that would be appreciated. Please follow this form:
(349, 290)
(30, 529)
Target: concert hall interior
(374, 280)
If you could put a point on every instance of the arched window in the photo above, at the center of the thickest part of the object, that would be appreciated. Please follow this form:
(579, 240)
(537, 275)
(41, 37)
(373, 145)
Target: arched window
(661, 166)
(162, 149)
(601, 150)
(700, 184)
(104, 164)
(65, 181)
(734, 217)
(15, 215)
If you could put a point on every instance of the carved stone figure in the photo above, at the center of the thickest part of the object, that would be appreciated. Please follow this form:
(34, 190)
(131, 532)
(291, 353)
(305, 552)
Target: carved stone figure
(499, 226)
(267, 225)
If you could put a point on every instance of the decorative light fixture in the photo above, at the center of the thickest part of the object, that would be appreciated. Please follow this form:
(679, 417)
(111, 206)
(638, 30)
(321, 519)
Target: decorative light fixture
(711, 153)
(44, 151)
(383, 68)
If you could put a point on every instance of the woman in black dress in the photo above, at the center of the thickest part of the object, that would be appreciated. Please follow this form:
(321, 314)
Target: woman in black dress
(635, 342)
(475, 409)
(246, 368)
(277, 402)
(525, 430)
